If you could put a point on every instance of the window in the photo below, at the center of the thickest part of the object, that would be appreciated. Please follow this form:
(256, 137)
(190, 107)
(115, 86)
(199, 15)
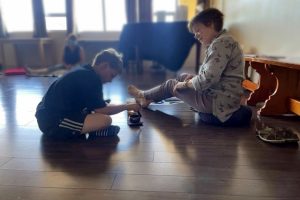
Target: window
(55, 14)
(164, 10)
(100, 15)
(17, 15)
(88, 15)
(115, 16)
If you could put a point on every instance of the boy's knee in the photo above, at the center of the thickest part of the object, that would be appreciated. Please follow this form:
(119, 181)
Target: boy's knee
(95, 122)
(107, 120)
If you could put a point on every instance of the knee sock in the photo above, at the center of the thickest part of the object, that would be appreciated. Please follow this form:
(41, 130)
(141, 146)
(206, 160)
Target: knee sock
(107, 132)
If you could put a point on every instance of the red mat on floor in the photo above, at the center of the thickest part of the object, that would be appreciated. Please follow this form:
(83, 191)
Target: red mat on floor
(15, 71)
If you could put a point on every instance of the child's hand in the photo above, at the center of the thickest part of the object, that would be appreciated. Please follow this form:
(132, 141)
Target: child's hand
(180, 86)
(133, 106)
(189, 77)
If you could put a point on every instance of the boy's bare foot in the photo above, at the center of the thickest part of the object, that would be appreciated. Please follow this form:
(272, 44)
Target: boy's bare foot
(138, 95)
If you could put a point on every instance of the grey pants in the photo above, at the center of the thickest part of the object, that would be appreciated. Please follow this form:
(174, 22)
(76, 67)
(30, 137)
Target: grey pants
(193, 98)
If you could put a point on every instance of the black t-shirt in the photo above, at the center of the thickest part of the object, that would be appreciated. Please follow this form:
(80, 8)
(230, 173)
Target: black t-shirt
(71, 56)
(78, 91)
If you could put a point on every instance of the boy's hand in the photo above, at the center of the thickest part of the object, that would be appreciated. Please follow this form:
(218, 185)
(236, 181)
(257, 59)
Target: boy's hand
(133, 106)
(180, 86)
(189, 77)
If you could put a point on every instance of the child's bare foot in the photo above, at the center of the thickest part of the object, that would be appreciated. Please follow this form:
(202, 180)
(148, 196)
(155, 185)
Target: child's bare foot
(138, 95)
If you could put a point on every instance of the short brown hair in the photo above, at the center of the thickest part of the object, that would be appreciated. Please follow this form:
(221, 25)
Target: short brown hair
(112, 57)
(207, 17)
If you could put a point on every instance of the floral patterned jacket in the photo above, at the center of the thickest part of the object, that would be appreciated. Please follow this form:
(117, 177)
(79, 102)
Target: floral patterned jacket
(221, 75)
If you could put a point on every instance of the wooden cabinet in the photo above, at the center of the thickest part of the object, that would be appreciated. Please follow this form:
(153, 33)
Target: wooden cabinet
(279, 85)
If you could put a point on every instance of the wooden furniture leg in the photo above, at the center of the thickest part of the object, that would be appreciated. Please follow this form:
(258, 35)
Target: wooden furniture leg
(268, 86)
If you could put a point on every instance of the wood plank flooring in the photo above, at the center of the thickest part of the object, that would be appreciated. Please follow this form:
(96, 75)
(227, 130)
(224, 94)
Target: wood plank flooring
(173, 156)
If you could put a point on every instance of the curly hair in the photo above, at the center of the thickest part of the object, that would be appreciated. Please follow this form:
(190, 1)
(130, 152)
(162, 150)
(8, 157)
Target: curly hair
(207, 17)
(112, 57)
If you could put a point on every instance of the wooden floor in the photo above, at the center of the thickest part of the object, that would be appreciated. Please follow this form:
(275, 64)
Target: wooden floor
(173, 156)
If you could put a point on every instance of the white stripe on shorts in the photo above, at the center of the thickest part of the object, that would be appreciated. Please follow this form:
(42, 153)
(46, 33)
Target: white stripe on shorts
(72, 125)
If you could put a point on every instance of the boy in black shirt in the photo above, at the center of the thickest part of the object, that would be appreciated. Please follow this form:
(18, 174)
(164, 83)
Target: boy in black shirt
(73, 105)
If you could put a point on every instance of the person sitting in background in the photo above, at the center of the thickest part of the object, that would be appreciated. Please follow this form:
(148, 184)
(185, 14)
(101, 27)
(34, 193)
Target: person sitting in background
(74, 106)
(73, 52)
(73, 55)
(216, 91)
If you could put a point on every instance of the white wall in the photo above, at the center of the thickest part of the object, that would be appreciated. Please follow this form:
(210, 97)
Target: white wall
(270, 27)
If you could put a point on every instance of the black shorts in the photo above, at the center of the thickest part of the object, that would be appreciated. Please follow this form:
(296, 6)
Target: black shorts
(68, 126)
